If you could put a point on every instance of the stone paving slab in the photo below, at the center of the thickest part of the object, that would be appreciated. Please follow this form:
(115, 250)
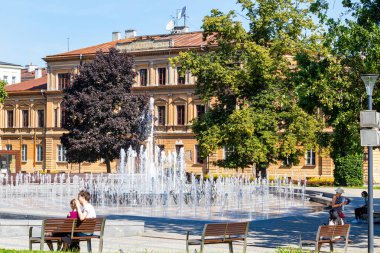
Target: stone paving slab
(168, 235)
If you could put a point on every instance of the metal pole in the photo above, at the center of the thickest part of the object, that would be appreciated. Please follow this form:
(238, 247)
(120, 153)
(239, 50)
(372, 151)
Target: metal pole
(370, 192)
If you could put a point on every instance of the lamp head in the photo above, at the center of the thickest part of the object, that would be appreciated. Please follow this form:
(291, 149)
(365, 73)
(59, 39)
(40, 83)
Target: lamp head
(369, 81)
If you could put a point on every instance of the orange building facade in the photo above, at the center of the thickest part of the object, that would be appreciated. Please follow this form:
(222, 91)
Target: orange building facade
(30, 118)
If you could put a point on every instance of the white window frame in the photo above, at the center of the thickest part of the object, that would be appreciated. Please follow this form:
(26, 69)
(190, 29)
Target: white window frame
(310, 157)
(24, 153)
(8, 146)
(39, 151)
(61, 153)
(225, 152)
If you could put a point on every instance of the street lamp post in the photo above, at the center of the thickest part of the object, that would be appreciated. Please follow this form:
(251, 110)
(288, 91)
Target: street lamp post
(369, 81)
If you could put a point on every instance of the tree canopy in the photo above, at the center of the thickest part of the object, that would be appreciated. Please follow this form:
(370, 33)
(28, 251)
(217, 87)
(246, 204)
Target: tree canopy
(250, 79)
(3, 93)
(101, 114)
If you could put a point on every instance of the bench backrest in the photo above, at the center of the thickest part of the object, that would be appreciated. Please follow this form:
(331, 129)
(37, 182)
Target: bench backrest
(57, 225)
(89, 225)
(226, 229)
(333, 230)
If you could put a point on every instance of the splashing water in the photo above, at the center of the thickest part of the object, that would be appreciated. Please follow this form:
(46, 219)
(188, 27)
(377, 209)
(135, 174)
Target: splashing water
(154, 183)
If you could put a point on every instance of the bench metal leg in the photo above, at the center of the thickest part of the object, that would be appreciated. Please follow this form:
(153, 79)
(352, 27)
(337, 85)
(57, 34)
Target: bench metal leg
(231, 248)
(100, 244)
(42, 243)
(331, 247)
(30, 245)
(201, 250)
(89, 245)
(187, 247)
(245, 245)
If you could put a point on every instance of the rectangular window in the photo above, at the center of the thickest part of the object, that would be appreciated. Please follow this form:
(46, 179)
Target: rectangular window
(181, 78)
(41, 118)
(201, 109)
(8, 147)
(63, 81)
(161, 115)
(161, 76)
(286, 162)
(143, 77)
(56, 117)
(10, 118)
(228, 151)
(13, 79)
(25, 118)
(178, 150)
(198, 158)
(161, 148)
(24, 153)
(61, 153)
(5, 79)
(310, 157)
(39, 153)
(180, 115)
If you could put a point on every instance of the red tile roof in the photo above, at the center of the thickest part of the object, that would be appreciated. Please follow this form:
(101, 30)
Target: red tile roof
(25, 75)
(191, 39)
(30, 85)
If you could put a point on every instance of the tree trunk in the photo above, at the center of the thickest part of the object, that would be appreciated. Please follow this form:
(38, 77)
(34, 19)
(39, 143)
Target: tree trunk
(108, 163)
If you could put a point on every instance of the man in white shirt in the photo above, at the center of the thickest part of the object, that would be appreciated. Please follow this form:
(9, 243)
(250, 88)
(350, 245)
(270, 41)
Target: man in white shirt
(85, 209)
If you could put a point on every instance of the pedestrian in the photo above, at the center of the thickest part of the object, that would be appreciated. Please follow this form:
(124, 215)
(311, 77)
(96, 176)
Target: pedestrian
(363, 209)
(337, 204)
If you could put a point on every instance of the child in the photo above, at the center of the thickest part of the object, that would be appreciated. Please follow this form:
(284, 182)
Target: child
(74, 213)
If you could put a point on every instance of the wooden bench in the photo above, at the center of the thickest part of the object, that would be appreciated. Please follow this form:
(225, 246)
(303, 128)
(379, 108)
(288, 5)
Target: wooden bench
(93, 227)
(54, 229)
(216, 233)
(329, 234)
(51, 230)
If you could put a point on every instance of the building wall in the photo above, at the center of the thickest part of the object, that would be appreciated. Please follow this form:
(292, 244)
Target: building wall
(13, 73)
(169, 135)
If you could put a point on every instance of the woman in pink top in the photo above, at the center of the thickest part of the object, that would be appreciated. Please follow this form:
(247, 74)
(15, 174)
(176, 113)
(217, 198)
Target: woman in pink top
(74, 213)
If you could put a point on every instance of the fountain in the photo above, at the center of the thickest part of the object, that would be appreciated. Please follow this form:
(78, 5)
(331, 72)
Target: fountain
(155, 184)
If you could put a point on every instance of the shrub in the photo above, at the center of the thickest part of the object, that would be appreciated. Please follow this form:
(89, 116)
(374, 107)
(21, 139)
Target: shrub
(320, 181)
(349, 170)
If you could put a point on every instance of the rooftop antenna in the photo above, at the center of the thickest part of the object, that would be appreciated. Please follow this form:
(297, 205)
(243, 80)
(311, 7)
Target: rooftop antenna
(170, 25)
(173, 25)
(183, 15)
(68, 44)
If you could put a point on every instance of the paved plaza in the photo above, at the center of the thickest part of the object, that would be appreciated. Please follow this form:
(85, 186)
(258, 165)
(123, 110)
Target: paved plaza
(168, 235)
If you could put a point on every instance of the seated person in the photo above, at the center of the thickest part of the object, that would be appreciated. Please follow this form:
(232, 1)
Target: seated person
(363, 209)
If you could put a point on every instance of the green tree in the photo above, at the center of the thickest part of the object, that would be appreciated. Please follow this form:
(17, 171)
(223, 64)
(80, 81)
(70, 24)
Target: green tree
(248, 76)
(101, 114)
(3, 93)
(331, 81)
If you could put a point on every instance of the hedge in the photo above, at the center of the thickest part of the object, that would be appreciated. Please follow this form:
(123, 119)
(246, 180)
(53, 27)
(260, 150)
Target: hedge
(349, 170)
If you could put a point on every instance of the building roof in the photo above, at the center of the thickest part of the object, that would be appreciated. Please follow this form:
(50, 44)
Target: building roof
(25, 75)
(182, 40)
(30, 85)
(9, 64)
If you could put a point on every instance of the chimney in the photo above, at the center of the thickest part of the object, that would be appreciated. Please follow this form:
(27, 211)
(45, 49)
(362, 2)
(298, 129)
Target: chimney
(116, 36)
(130, 33)
(31, 67)
(37, 73)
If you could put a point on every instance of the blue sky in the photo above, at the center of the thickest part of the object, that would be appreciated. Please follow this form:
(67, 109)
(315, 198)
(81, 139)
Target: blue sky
(31, 30)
